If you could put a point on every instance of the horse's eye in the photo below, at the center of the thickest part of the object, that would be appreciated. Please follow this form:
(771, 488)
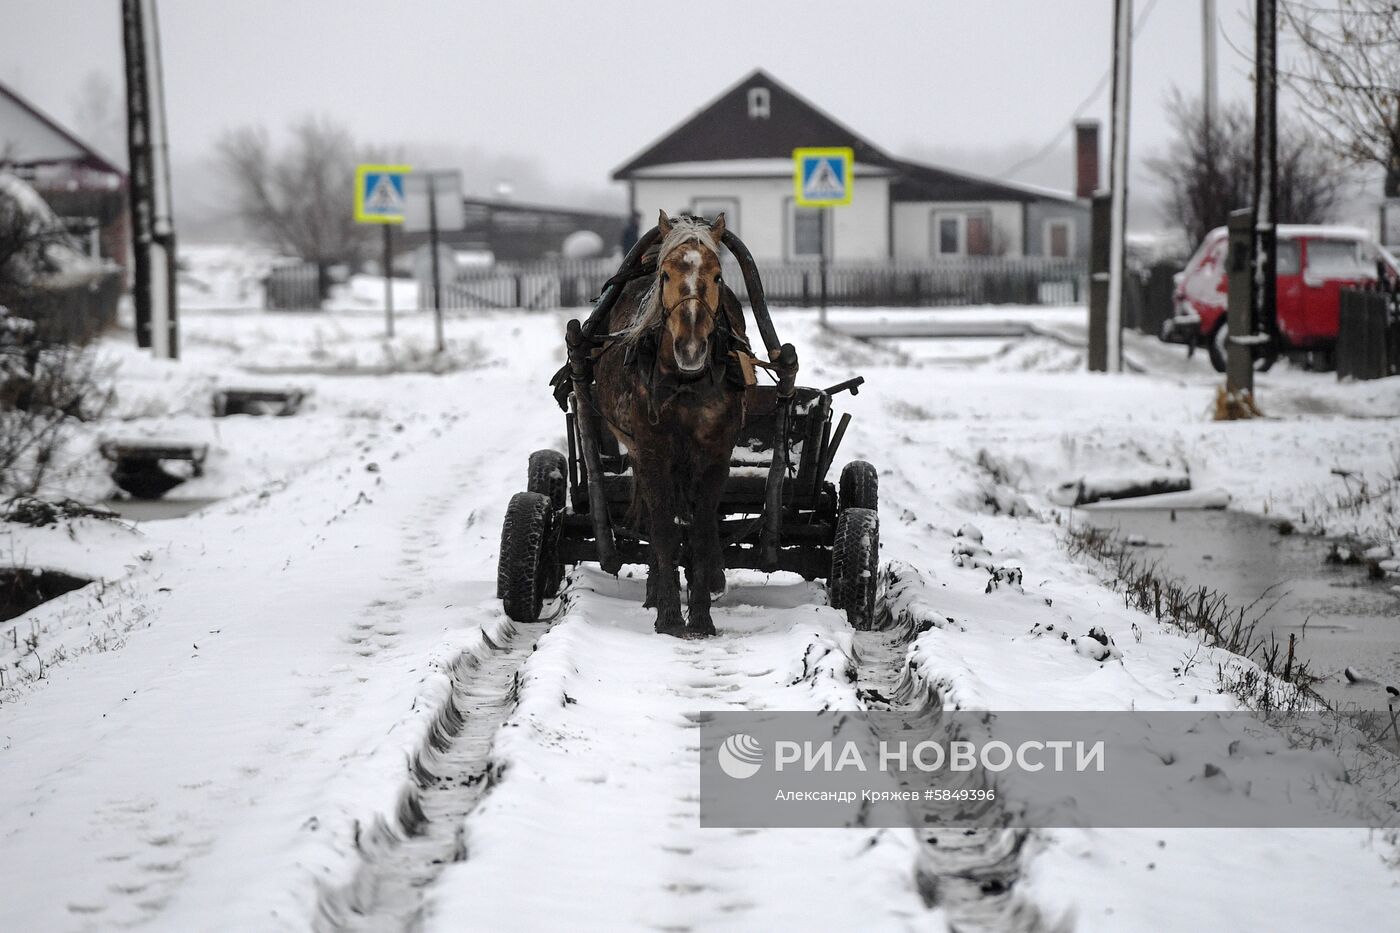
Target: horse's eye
(665, 277)
(719, 280)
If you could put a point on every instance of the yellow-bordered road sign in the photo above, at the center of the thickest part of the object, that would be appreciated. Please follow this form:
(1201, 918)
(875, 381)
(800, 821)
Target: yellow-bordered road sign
(823, 177)
(379, 197)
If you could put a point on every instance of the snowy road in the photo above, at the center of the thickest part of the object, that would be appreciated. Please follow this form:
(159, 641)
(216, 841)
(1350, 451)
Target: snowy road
(303, 708)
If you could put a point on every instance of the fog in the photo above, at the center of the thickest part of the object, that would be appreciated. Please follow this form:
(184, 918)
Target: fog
(548, 99)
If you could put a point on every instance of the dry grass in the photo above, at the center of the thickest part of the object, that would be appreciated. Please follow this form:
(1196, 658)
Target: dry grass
(1280, 683)
(1235, 406)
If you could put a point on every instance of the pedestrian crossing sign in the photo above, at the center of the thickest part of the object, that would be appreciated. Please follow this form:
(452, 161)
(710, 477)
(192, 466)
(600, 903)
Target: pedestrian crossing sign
(823, 177)
(379, 195)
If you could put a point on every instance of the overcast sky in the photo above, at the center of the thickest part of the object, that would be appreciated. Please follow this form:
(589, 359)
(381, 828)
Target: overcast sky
(572, 90)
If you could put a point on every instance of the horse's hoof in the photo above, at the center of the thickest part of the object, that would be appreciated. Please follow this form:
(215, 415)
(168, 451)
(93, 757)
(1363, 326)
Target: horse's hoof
(674, 629)
(702, 630)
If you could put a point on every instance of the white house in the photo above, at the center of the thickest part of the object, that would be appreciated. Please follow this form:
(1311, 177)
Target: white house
(735, 156)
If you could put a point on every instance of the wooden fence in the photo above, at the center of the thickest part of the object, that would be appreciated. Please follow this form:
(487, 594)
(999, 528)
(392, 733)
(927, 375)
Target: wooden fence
(292, 288)
(1368, 334)
(76, 313)
(574, 283)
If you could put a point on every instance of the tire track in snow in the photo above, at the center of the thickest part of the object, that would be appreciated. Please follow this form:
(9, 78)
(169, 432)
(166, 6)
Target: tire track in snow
(401, 853)
(595, 825)
(969, 873)
(449, 774)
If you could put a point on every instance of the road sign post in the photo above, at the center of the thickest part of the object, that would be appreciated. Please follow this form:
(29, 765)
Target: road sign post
(823, 178)
(437, 275)
(433, 204)
(379, 199)
(388, 267)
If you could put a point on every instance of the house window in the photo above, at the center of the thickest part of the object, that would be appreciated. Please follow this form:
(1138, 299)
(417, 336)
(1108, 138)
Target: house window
(1059, 239)
(961, 233)
(710, 208)
(759, 106)
(808, 232)
(949, 235)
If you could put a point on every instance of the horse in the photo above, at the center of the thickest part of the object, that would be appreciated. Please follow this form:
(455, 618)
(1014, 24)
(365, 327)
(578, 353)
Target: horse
(670, 387)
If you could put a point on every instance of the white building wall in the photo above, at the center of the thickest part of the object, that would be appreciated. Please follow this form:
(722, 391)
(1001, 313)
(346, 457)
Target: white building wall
(913, 225)
(861, 227)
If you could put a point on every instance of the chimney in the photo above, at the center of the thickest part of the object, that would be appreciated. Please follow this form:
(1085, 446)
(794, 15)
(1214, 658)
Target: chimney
(1086, 158)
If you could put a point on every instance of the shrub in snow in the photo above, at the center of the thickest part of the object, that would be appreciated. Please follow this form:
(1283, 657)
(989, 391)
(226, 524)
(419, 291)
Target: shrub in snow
(1097, 645)
(45, 386)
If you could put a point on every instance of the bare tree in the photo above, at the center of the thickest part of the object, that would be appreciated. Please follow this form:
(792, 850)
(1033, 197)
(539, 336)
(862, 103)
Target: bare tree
(1207, 173)
(98, 115)
(298, 199)
(1348, 78)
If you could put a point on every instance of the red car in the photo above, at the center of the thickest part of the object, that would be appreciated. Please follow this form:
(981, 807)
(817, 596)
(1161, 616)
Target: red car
(1314, 264)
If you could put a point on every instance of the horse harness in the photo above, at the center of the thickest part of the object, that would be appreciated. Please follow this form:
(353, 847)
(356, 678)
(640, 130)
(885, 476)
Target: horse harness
(727, 344)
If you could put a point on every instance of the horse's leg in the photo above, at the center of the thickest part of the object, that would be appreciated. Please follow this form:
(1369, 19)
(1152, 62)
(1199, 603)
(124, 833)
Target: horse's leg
(706, 559)
(663, 584)
(718, 585)
(664, 544)
(640, 519)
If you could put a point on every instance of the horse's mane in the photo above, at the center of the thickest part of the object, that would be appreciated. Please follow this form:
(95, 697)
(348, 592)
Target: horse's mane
(650, 311)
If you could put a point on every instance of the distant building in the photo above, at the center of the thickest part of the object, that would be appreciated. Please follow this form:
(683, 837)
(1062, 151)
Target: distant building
(735, 156)
(515, 232)
(84, 189)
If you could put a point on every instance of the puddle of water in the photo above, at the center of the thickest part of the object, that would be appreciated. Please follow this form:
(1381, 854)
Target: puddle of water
(155, 510)
(1351, 621)
(22, 588)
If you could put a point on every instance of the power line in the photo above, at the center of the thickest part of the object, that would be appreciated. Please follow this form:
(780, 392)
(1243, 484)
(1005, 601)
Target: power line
(1083, 106)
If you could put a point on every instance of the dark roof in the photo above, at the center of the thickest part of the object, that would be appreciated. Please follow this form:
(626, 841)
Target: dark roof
(918, 182)
(709, 135)
(498, 206)
(91, 157)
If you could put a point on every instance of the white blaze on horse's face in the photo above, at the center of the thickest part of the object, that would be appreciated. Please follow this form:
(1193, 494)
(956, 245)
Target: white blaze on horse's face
(690, 292)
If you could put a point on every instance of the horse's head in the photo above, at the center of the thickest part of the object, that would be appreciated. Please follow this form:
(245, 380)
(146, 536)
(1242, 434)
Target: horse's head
(688, 286)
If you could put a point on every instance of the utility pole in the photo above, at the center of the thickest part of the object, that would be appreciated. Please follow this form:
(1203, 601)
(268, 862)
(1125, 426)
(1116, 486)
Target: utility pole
(1118, 177)
(152, 227)
(1210, 95)
(1265, 167)
(1210, 98)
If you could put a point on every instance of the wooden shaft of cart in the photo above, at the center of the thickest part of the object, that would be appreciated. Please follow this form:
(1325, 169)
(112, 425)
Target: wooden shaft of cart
(578, 346)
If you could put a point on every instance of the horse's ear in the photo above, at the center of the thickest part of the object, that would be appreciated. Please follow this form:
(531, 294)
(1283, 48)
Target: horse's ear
(717, 226)
(664, 223)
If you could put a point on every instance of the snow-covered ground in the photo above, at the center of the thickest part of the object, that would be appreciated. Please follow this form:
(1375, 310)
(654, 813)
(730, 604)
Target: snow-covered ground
(302, 707)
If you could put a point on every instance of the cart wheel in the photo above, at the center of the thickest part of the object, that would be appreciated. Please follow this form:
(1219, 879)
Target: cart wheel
(549, 473)
(860, 486)
(855, 564)
(526, 565)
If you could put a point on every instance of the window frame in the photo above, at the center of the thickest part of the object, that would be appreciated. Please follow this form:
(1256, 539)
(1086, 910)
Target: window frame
(760, 103)
(731, 211)
(1046, 239)
(938, 215)
(790, 237)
